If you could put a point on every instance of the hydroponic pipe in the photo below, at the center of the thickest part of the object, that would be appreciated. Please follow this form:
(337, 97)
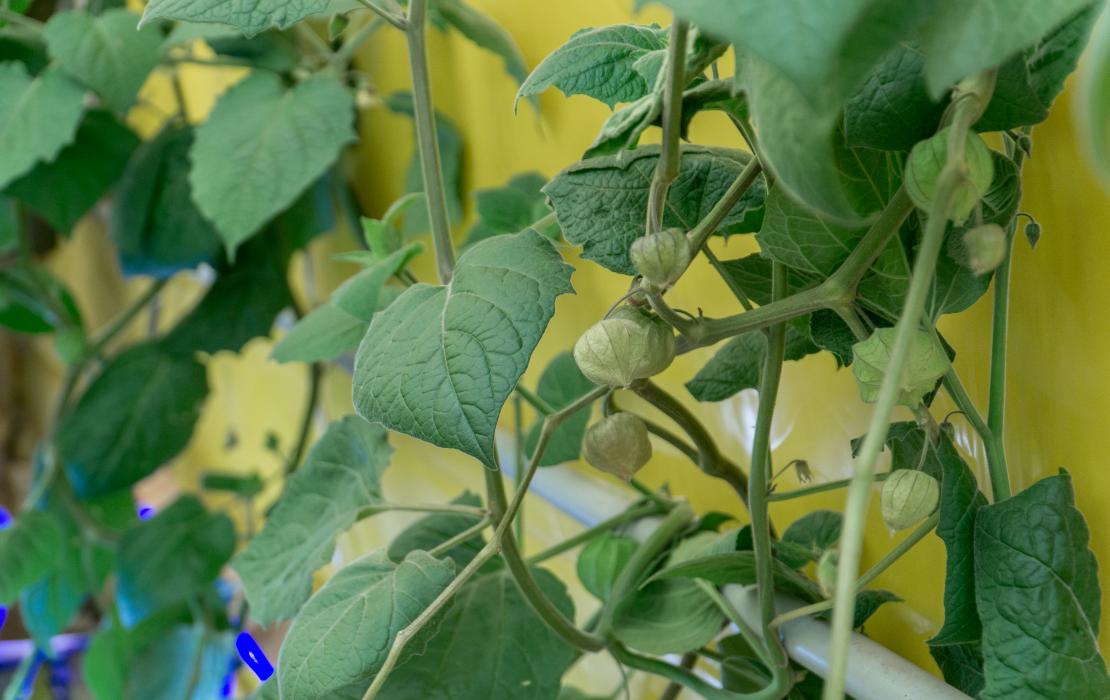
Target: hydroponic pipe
(874, 672)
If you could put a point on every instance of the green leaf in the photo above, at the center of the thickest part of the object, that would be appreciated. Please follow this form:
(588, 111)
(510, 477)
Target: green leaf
(239, 306)
(519, 658)
(28, 549)
(174, 555)
(737, 365)
(962, 666)
(514, 207)
(323, 334)
(64, 190)
(384, 236)
(892, 110)
(105, 52)
(360, 295)
(272, 50)
(109, 441)
(960, 39)
(435, 529)
(458, 350)
(9, 226)
(752, 274)
(485, 32)
(344, 632)
(32, 300)
(248, 16)
(262, 146)
(624, 127)
(1036, 586)
(183, 658)
(739, 567)
(600, 203)
(925, 364)
(340, 477)
(868, 603)
(601, 560)
(599, 63)
(1093, 100)
(38, 117)
(561, 384)
(809, 537)
(912, 448)
(155, 224)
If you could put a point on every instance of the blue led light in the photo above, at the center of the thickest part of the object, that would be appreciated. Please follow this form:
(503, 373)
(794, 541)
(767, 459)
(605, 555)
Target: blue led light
(145, 511)
(5, 518)
(253, 656)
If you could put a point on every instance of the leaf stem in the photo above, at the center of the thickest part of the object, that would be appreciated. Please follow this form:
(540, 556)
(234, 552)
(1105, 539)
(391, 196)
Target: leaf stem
(736, 290)
(817, 488)
(120, 322)
(392, 13)
(449, 544)
(315, 373)
(427, 143)
(735, 192)
(729, 610)
(346, 53)
(972, 97)
(637, 511)
(455, 508)
(687, 679)
(667, 168)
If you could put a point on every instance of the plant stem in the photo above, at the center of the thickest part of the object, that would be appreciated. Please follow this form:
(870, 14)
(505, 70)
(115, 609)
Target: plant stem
(346, 52)
(315, 373)
(817, 488)
(709, 457)
(449, 544)
(426, 140)
(640, 510)
(120, 322)
(996, 461)
(750, 635)
(391, 12)
(736, 290)
(735, 192)
(535, 401)
(688, 679)
(667, 168)
(972, 98)
(758, 473)
(518, 447)
(455, 508)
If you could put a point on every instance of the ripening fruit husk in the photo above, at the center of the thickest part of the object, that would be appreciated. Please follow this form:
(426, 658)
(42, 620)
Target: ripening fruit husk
(985, 246)
(926, 162)
(627, 346)
(662, 257)
(908, 497)
(618, 445)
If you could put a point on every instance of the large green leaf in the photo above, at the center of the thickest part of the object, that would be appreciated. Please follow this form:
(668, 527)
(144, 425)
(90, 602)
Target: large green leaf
(174, 555)
(481, 29)
(508, 209)
(519, 657)
(435, 529)
(600, 63)
(105, 52)
(600, 203)
(739, 567)
(738, 364)
(1036, 586)
(961, 38)
(809, 537)
(248, 16)
(340, 477)
(111, 439)
(262, 146)
(29, 547)
(32, 300)
(892, 109)
(183, 659)
(439, 363)
(38, 117)
(560, 385)
(323, 334)
(63, 190)
(1093, 100)
(155, 224)
(344, 632)
(601, 561)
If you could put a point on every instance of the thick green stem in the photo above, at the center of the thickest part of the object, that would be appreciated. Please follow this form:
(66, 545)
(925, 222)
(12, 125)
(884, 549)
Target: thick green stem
(817, 488)
(452, 508)
(759, 474)
(427, 142)
(968, 105)
(688, 679)
(996, 460)
(667, 168)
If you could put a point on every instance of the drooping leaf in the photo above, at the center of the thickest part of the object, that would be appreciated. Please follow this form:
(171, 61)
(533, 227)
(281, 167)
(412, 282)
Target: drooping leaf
(38, 117)
(458, 350)
(809, 537)
(340, 477)
(435, 529)
(868, 603)
(344, 632)
(1037, 590)
(600, 203)
(601, 560)
(63, 190)
(174, 555)
(156, 227)
(624, 127)
(560, 385)
(738, 364)
(108, 441)
(599, 63)
(520, 658)
(481, 29)
(248, 16)
(105, 52)
(28, 548)
(262, 146)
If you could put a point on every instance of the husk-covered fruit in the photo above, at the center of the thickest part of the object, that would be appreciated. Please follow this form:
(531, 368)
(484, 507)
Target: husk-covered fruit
(618, 445)
(926, 162)
(908, 497)
(661, 258)
(985, 246)
(926, 364)
(627, 346)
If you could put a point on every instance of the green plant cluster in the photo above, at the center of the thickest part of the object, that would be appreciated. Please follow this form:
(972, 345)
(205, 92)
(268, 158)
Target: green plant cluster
(858, 166)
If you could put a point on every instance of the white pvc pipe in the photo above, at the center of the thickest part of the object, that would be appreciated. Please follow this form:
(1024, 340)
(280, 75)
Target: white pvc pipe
(874, 672)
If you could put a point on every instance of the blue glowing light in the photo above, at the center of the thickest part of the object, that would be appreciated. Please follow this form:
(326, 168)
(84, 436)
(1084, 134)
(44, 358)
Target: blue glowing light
(253, 656)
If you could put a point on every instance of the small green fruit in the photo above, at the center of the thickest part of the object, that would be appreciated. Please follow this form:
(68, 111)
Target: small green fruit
(926, 162)
(618, 445)
(827, 571)
(985, 246)
(908, 497)
(627, 346)
(662, 257)
(926, 364)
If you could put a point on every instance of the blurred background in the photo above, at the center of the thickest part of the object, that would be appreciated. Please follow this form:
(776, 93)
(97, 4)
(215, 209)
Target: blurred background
(1059, 363)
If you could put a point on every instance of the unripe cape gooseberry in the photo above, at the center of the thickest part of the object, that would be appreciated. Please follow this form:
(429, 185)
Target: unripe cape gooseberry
(827, 571)
(618, 445)
(661, 258)
(908, 497)
(627, 346)
(985, 246)
(926, 162)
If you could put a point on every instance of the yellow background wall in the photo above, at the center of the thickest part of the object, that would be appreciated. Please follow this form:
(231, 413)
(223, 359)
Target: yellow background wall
(1059, 371)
